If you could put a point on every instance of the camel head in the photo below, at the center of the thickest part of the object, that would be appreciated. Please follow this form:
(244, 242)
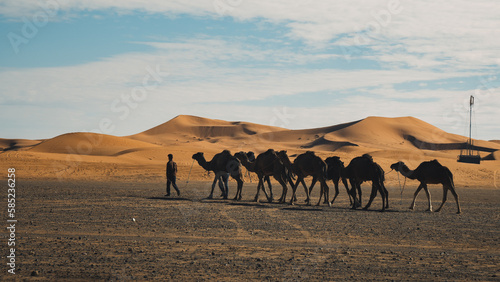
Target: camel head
(282, 155)
(334, 160)
(198, 156)
(241, 156)
(251, 156)
(398, 166)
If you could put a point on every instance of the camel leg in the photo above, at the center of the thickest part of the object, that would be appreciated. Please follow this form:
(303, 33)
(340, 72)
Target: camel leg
(356, 202)
(283, 184)
(445, 195)
(372, 196)
(383, 194)
(271, 197)
(256, 199)
(353, 193)
(336, 185)
(240, 187)
(454, 193)
(238, 192)
(305, 188)
(285, 191)
(312, 184)
(283, 194)
(226, 185)
(386, 195)
(308, 199)
(321, 193)
(344, 181)
(221, 186)
(428, 197)
(356, 187)
(326, 190)
(261, 181)
(211, 196)
(225, 179)
(412, 206)
(294, 189)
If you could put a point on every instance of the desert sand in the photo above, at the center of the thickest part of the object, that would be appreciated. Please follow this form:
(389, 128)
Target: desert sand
(91, 206)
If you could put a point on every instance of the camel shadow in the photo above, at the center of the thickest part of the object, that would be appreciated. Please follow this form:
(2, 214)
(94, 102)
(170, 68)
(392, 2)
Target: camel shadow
(304, 208)
(169, 199)
(376, 210)
(251, 204)
(215, 201)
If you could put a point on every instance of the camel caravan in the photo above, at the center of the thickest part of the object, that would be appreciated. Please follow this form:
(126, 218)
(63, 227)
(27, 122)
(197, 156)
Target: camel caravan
(363, 168)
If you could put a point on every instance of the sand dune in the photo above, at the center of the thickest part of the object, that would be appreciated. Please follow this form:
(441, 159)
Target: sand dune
(184, 128)
(89, 144)
(17, 144)
(370, 134)
(376, 133)
(98, 156)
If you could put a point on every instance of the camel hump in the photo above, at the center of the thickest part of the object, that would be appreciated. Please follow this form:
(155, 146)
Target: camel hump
(435, 162)
(310, 152)
(226, 152)
(368, 156)
(270, 151)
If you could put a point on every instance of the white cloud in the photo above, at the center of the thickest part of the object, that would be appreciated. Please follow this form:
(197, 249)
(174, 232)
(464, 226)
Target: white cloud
(196, 78)
(422, 41)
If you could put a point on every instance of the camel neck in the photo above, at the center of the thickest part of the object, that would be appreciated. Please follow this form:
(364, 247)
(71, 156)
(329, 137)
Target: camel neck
(248, 164)
(406, 172)
(203, 163)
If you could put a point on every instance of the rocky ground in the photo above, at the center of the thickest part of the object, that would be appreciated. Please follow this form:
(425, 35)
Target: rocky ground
(119, 231)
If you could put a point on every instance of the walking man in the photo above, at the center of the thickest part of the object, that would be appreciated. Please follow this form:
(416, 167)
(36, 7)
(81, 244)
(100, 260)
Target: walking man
(171, 175)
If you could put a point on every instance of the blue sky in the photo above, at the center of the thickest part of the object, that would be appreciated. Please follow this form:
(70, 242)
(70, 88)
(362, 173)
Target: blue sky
(121, 67)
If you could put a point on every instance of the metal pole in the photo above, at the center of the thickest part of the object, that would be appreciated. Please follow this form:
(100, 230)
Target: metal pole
(470, 125)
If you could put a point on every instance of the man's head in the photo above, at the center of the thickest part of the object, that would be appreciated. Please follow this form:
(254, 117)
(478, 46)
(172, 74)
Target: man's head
(170, 157)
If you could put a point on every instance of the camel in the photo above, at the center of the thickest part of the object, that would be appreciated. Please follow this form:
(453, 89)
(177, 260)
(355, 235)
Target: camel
(362, 169)
(251, 158)
(335, 172)
(308, 164)
(430, 172)
(335, 169)
(248, 161)
(223, 164)
(266, 164)
(283, 156)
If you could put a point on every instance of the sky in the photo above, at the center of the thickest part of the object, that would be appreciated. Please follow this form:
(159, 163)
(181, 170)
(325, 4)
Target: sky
(122, 67)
